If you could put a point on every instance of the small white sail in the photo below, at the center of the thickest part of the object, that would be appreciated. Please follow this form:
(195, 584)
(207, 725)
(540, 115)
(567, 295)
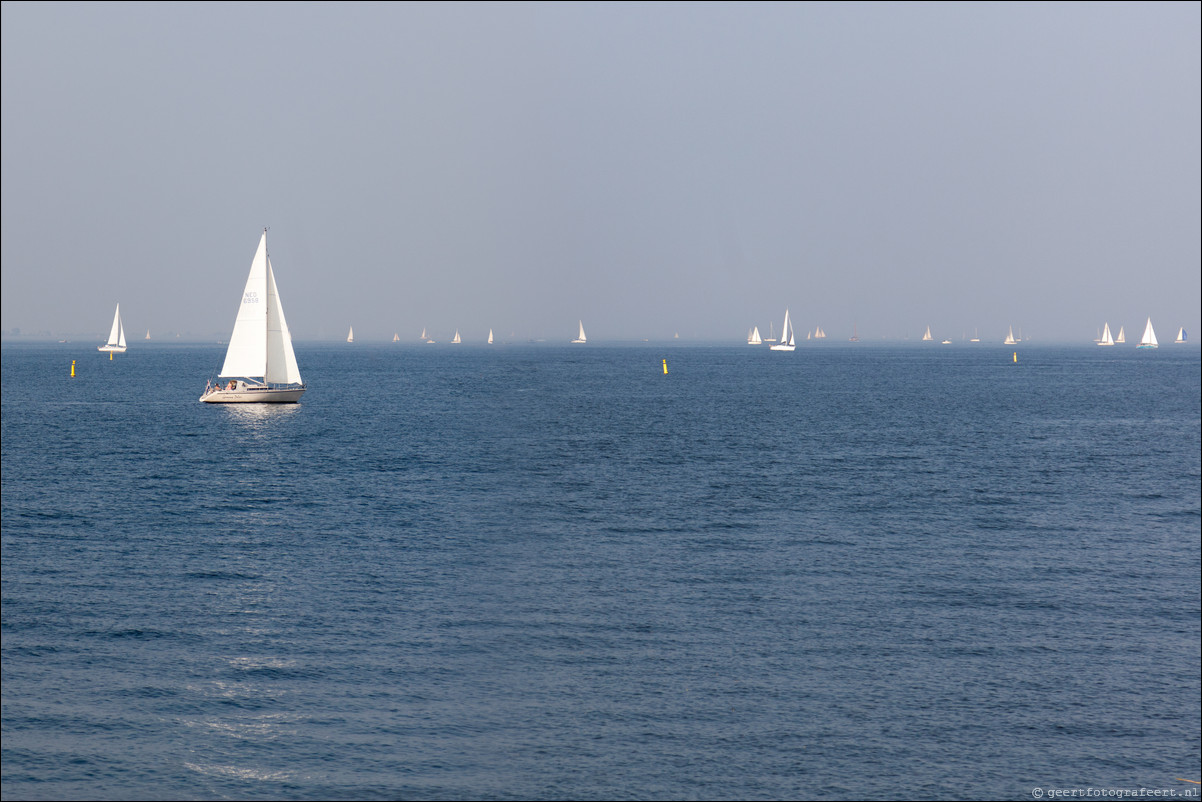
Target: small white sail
(819, 334)
(1010, 337)
(927, 336)
(396, 337)
(580, 338)
(350, 335)
(1122, 338)
(1182, 336)
(787, 342)
(490, 336)
(148, 334)
(1107, 339)
(753, 336)
(116, 340)
(456, 339)
(1149, 338)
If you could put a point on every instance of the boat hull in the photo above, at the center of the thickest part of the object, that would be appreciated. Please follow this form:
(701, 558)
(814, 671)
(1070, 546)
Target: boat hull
(781, 347)
(254, 395)
(116, 349)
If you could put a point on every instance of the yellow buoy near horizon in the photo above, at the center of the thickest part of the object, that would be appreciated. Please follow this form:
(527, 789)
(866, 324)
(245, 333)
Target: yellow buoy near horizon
(72, 368)
(665, 367)
(1016, 357)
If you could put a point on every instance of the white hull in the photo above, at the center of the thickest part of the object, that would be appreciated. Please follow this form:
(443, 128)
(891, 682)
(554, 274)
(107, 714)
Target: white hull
(782, 347)
(116, 349)
(248, 394)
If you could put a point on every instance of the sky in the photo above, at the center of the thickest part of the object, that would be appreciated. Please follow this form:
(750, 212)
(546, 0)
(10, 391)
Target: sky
(650, 169)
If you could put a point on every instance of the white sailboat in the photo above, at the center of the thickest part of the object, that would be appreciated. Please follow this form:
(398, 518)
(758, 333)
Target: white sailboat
(927, 336)
(580, 338)
(490, 336)
(1122, 338)
(426, 339)
(116, 341)
(350, 335)
(396, 337)
(260, 365)
(1149, 338)
(1010, 337)
(976, 338)
(787, 343)
(819, 334)
(148, 334)
(1107, 338)
(1182, 336)
(855, 335)
(455, 340)
(753, 336)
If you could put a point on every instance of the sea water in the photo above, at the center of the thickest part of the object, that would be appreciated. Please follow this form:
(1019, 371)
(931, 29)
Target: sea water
(544, 572)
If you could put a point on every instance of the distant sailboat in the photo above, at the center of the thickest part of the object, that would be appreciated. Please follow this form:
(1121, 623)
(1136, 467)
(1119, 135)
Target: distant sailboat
(259, 362)
(116, 341)
(1010, 337)
(855, 337)
(819, 334)
(455, 340)
(425, 339)
(1122, 338)
(490, 336)
(927, 336)
(1107, 339)
(396, 337)
(1149, 338)
(580, 338)
(787, 342)
(753, 336)
(148, 334)
(1182, 336)
(975, 337)
(350, 335)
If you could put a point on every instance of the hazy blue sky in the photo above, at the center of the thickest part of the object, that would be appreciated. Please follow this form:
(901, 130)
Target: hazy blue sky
(647, 168)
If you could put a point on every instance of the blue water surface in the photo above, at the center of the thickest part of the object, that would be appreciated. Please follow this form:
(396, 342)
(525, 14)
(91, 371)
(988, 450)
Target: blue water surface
(545, 572)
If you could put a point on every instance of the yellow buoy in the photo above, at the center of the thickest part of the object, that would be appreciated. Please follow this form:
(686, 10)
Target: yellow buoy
(72, 368)
(110, 356)
(1016, 357)
(665, 367)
